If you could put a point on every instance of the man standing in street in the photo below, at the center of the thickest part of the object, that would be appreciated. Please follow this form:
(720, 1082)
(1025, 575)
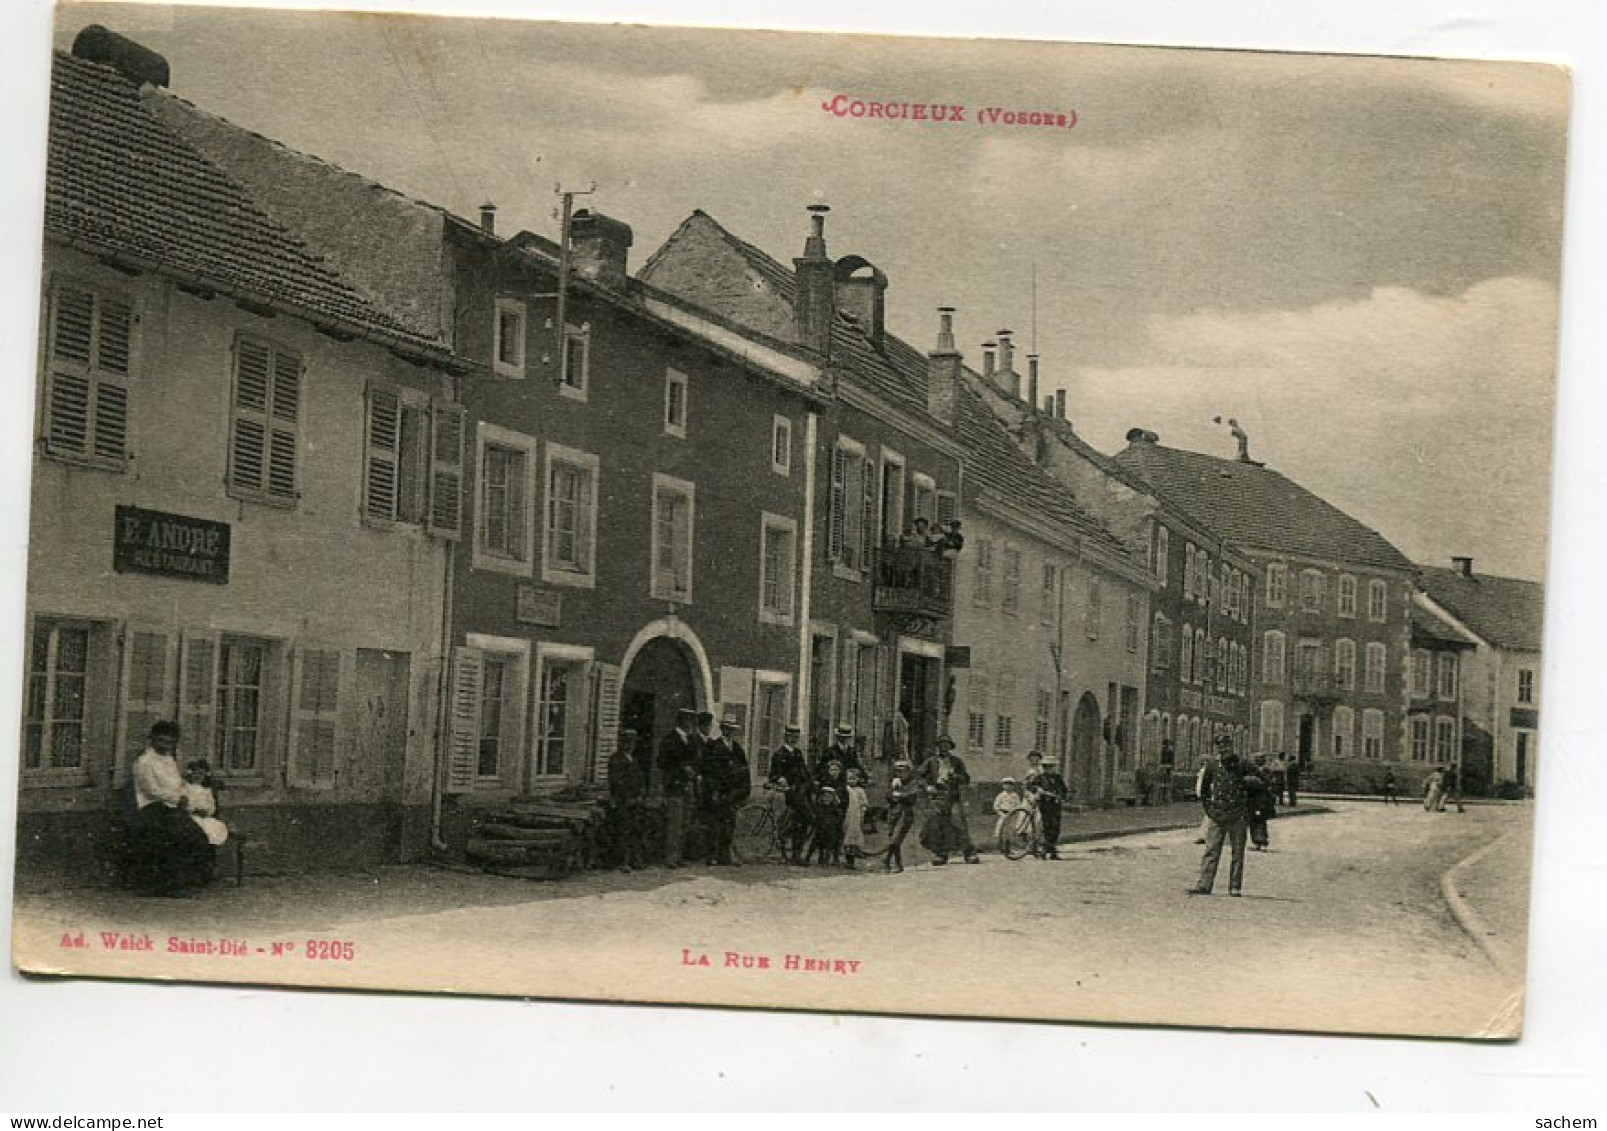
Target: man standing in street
(1291, 778)
(677, 763)
(725, 786)
(1051, 793)
(627, 785)
(841, 750)
(1227, 808)
(789, 770)
(947, 828)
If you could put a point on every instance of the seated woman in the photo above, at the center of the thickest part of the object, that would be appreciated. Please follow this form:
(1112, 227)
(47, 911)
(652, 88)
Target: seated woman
(170, 853)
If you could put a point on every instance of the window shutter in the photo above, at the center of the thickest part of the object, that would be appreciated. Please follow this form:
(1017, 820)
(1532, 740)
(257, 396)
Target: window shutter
(284, 409)
(463, 749)
(111, 377)
(868, 524)
(605, 697)
(947, 507)
(834, 531)
(248, 449)
(314, 712)
(147, 690)
(447, 429)
(381, 461)
(585, 487)
(198, 681)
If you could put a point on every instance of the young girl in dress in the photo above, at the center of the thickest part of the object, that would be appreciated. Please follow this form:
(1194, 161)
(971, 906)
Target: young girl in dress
(854, 819)
(1007, 802)
(203, 801)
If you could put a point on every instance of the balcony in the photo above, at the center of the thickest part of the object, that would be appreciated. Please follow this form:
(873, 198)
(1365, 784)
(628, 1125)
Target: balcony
(913, 584)
(1318, 689)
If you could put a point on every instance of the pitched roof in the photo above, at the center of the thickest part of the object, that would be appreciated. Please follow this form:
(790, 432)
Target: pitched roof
(1430, 625)
(121, 181)
(1255, 506)
(1507, 611)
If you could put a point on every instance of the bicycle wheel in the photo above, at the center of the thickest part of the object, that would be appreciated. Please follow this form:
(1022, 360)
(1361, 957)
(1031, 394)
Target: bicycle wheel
(1016, 836)
(755, 838)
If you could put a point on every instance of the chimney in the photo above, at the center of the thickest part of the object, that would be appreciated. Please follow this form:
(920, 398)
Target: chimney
(862, 293)
(1006, 377)
(943, 370)
(1049, 405)
(1060, 404)
(1032, 381)
(488, 218)
(1142, 436)
(599, 248)
(987, 361)
(1464, 566)
(134, 61)
(814, 304)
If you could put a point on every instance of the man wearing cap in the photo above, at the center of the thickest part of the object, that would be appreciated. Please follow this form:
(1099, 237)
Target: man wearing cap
(841, 750)
(901, 794)
(627, 785)
(1051, 793)
(724, 787)
(945, 777)
(675, 771)
(789, 772)
(1225, 797)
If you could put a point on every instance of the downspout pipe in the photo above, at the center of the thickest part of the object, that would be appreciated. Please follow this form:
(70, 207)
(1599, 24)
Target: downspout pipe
(807, 548)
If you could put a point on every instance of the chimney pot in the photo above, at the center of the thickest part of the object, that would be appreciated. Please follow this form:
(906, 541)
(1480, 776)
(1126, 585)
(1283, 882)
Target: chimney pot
(987, 359)
(1464, 566)
(134, 61)
(488, 218)
(945, 329)
(943, 367)
(814, 302)
(1032, 380)
(1060, 404)
(600, 246)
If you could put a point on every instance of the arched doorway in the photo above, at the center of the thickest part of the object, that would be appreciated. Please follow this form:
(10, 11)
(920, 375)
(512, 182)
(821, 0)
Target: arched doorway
(659, 683)
(1083, 773)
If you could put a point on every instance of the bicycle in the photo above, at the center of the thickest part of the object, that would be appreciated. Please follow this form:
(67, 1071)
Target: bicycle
(1019, 834)
(760, 835)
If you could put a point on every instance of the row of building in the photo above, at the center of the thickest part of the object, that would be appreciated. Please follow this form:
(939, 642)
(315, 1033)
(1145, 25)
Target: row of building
(401, 518)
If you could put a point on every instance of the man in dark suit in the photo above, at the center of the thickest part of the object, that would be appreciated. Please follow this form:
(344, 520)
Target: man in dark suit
(724, 786)
(788, 765)
(627, 785)
(1051, 795)
(841, 750)
(676, 769)
(1225, 795)
(947, 829)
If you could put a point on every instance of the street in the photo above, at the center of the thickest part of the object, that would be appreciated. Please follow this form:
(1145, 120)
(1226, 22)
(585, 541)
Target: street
(1343, 928)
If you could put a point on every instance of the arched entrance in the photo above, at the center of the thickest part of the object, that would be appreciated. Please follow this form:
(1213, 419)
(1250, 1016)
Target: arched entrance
(659, 683)
(1083, 773)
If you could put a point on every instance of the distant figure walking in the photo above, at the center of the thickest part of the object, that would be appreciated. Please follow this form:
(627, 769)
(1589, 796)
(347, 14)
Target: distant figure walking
(1291, 780)
(1391, 790)
(1434, 791)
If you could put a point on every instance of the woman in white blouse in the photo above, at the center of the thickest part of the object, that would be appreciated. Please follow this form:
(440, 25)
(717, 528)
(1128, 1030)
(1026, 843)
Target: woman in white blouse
(171, 854)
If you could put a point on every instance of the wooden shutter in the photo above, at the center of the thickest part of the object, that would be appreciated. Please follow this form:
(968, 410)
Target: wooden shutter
(113, 334)
(463, 734)
(836, 520)
(249, 441)
(381, 460)
(314, 714)
(285, 407)
(198, 682)
(147, 690)
(947, 508)
(605, 730)
(86, 404)
(867, 524)
(586, 487)
(447, 429)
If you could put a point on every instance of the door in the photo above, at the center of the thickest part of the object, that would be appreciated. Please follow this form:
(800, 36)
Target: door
(658, 684)
(381, 733)
(1083, 774)
(919, 701)
(1521, 769)
(1308, 740)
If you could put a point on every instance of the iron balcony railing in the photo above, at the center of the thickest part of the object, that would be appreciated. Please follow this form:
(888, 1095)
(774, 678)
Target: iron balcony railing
(913, 581)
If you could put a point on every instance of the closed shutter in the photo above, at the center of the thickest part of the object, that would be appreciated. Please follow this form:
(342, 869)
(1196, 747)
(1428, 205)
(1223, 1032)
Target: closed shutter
(605, 731)
(147, 689)
(382, 454)
(111, 380)
(267, 404)
(198, 680)
(947, 507)
(838, 516)
(285, 408)
(447, 428)
(463, 735)
(315, 713)
(868, 524)
(86, 405)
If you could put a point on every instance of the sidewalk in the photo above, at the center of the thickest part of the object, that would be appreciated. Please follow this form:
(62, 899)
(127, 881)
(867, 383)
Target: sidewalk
(1122, 820)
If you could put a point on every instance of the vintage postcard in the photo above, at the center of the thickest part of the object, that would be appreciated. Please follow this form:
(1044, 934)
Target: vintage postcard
(951, 527)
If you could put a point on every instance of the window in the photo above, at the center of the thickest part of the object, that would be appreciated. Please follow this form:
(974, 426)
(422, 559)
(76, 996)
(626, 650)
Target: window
(1312, 584)
(1163, 554)
(1272, 657)
(1186, 664)
(1372, 733)
(1277, 584)
(1230, 591)
(675, 392)
(1091, 614)
(982, 591)
(976, 722)
(1202, 563)
(495, 683)
(1213, 584)
(781, 445)
(1525, 685)
(923, 499)
(413, 461)
(892, 500)
(1344, 732)
(508, 349)
(1272, 726)
(770, 721)
(575, 374)
(673, 516)
(267, 402)
(1373, 674)
(1003, 720)
(54, 729)
(1345, 664)
(1347, 595)
(1444, 740)
(1135, 617)
(505, 505)
(1418, 728)
(1049, 595)
(316, 713)
(1202, 656)
(1188, 571)
(560, 717)
(1422, 667)
(776, 571)
(1244, 599)
(948, 507)
(1040, 729)
(1010, 595)
(853, 499)
(1160, 647)
(1445, 676)
(86, 382)
(569, 551)
(1224, 663)
(1377, 602)
(237, 739)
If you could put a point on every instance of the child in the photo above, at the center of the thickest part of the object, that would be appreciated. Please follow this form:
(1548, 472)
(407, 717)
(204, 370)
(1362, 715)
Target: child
(828, 825)
(901, 794)
(1007, 802)
(854, 819)
(203, 803)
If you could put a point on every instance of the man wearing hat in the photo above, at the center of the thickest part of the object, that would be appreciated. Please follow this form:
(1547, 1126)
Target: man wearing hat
(789, 773)
(1225, 796)
(947, 829)
(901, 794)
(627, 785)
(1051, 793)
(724, 787)
(841, 750)
(675, 773)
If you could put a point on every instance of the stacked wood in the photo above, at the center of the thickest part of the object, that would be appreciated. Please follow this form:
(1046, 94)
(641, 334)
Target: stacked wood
(537, 838)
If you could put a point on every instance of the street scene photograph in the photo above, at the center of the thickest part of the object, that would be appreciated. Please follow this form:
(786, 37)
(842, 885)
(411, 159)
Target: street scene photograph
(786, 520)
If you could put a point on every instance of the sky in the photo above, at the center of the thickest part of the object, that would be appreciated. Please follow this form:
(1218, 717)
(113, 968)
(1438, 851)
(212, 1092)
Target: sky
(1356, 258)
